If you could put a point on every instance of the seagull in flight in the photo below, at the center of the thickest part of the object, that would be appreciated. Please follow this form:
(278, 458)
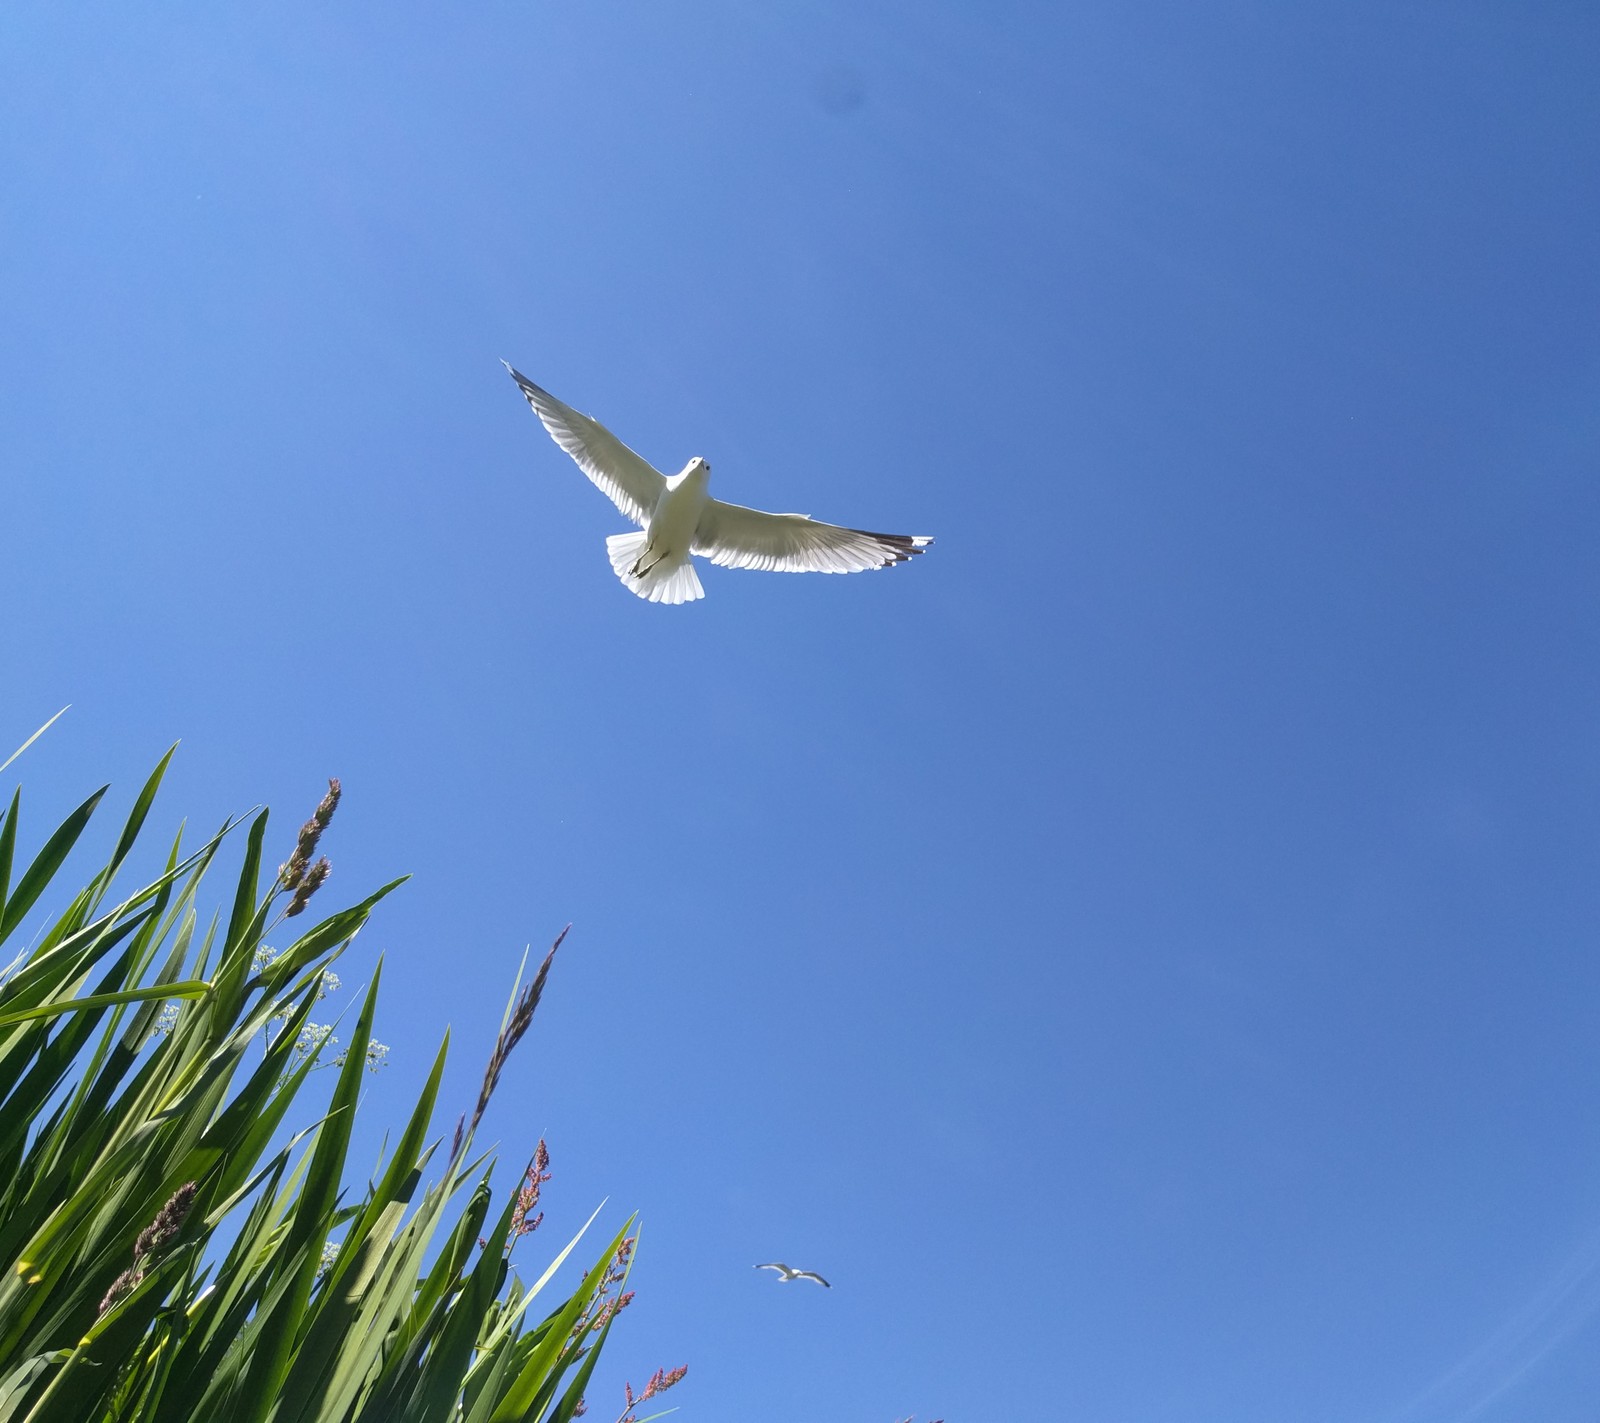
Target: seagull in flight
(679, 518)
(788, 1272)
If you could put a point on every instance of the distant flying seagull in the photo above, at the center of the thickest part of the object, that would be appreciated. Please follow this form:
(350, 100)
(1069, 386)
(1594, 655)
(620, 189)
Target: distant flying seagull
(788, 1272)
(680, 518)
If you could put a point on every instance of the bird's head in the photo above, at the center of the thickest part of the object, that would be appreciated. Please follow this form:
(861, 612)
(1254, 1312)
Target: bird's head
(697, 473)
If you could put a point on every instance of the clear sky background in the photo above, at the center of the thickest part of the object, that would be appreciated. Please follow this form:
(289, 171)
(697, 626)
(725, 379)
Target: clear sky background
(1143, 951)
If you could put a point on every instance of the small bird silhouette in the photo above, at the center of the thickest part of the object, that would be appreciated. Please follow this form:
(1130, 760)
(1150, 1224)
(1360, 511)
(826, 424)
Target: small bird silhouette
(788, 1272)
(680, 518)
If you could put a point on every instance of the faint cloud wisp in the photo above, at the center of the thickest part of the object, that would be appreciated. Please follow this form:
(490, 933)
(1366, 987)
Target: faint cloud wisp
(1556, 1311)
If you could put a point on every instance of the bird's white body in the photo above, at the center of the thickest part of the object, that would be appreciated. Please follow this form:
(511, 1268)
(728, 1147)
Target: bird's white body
(677, 512)
(787, 1274)
(678, 518)
(658, 560)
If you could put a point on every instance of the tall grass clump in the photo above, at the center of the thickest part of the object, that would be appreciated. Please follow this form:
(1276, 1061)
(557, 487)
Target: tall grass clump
(172, 1248)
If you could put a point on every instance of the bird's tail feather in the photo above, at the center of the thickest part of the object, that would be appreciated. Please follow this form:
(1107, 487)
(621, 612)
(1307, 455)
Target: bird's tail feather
(670, 582)
(623, 550)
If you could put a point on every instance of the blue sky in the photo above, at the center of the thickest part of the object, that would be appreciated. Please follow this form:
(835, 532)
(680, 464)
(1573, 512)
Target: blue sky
(1176, 893)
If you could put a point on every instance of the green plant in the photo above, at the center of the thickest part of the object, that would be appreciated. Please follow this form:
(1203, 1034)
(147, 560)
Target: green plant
(166, 1255)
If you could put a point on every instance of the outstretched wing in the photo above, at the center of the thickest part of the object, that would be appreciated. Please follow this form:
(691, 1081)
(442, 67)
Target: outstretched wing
(812, 1275)
(737, 537)
(630, 482)
(774, 1265)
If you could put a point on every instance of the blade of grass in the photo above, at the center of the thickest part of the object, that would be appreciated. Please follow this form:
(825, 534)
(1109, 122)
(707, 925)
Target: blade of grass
(309, 1226)
(188, 988)
(539, 1374)
(36, 735)
(8, 844)
(46, 863)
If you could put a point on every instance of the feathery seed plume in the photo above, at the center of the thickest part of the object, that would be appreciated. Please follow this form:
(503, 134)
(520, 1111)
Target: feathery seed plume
(308, 886)
(511, 1035)
(152, 1241)
(293, 872)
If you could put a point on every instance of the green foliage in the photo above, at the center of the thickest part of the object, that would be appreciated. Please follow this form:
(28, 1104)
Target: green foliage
(164, 1255)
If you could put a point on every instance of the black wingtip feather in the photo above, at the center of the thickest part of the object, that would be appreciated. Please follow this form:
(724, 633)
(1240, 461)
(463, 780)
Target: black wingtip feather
(528, 388)
(901, 548)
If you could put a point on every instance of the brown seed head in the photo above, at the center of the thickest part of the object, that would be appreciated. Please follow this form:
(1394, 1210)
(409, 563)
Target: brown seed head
(329, 803)
(168, 1222)
(153, 1239)
(293, 871)
(308, 886)
(124, 1284)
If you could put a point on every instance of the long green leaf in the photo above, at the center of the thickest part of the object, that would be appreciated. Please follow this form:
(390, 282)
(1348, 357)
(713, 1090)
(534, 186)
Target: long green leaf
(90, 1372)
(539, 1373)
(309, 1224)
(568, 1405)
(136, 816)
(410, 1323)
(46, 863)
(189, 988)
(8, 844)
(450, 1356)
(337, 928)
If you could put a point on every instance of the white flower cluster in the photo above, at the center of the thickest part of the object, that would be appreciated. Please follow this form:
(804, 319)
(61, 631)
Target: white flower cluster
(330, 1257)
(318, 1038)
(312, 1039)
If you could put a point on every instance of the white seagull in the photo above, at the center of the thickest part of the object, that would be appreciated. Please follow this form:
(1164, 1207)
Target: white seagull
(788, 1272)
(679, 518)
